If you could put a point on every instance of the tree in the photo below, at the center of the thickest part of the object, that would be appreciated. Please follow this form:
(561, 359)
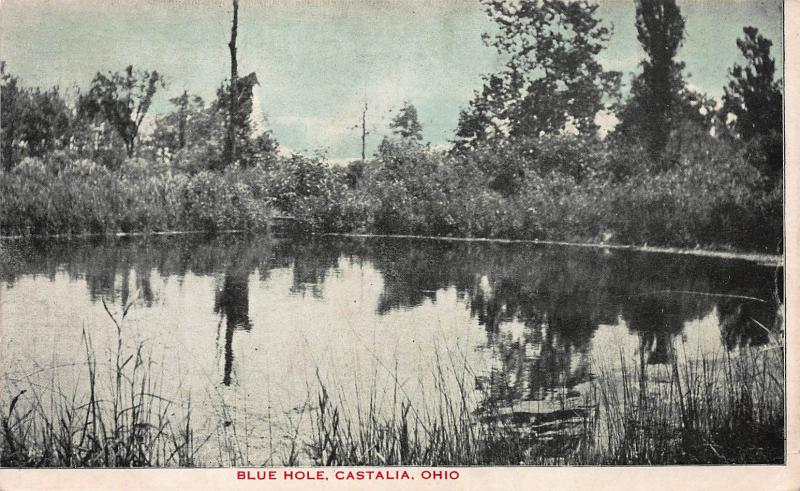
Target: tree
(753, 96)
(753, 103)
(193, 136)
(364, 132)
(654, 105)
(249, 147)
(34, 121)
(10, 95)
(189, 124)
(121, 99)
(552, 79)
(407, 139)
(406, 123)
(182, 115)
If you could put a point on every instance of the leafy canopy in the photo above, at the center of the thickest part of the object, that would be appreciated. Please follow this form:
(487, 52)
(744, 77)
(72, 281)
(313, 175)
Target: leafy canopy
(552, 80)
(658, 97)
(35, 121)
(406, 123)
(121, 99)
(753, 96)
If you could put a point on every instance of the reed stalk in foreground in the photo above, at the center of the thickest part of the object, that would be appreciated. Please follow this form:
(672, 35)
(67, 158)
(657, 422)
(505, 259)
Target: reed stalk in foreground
(707, 409)
(711, 409)
(722, 409)
(121, 420)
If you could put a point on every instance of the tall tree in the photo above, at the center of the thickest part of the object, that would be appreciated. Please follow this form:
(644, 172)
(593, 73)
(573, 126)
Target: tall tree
(121, 99)
(552, 78)
(753, 96)
(34, 121)
(406, 123)
(753, 103)
(182, 103)
(10, 95)
(190, 123)
(407, 140)
(250, 145)
(650, 113)
(364, 132)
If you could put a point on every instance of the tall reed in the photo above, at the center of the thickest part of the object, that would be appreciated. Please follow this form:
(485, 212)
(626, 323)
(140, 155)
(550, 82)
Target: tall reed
(122, 419)
(705, 409)
(696, 409)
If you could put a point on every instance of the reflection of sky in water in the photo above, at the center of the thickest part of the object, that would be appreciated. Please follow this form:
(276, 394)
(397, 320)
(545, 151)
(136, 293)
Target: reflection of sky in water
(247, 325)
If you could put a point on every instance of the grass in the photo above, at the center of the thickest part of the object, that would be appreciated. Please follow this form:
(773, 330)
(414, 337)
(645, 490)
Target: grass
(709, 409)
(75, 197)
(712, 410)
(119, 420)
(726, 409)
(719, 203)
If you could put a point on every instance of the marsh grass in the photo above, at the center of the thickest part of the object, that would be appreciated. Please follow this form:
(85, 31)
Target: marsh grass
(709, 410)
(699, 408)
(696, 409)
(456, 424)
(121, 419)
(705, 409)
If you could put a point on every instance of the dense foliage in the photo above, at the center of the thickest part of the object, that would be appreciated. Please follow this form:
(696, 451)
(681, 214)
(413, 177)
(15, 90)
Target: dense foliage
(528, 161)
(79, 196)
(565, 188)
(552, 78)
(654, 105)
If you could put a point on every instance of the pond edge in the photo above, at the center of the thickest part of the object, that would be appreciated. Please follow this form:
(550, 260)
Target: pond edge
(761, 258)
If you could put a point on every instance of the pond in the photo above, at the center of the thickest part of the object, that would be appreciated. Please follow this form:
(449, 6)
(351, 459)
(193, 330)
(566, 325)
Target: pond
(250, 330)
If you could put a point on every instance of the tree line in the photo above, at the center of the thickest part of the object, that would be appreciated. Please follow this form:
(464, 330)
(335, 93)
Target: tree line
(529, 158)
(553, 80)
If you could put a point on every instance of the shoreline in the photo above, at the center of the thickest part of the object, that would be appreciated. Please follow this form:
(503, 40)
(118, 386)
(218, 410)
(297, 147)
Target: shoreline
(86, 235)
(758, 257)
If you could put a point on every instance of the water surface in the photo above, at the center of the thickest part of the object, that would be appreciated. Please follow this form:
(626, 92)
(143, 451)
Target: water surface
(251, 326)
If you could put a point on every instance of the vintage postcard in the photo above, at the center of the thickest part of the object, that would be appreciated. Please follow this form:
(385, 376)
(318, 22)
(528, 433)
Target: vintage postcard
(451, 244)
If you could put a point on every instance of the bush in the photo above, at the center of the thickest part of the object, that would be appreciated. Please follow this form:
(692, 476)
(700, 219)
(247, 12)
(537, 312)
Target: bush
(83, 197)
(550, 188)
(560, 188)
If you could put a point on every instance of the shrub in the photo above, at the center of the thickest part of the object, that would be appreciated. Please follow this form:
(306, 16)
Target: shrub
(83, 197)
(549, 188)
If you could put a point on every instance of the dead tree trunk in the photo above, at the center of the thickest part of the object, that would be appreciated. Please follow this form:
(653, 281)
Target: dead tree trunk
(364, 133)
(234, 93)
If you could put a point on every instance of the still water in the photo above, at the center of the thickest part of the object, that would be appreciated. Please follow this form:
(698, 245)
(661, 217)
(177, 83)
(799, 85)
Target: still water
(249, 328)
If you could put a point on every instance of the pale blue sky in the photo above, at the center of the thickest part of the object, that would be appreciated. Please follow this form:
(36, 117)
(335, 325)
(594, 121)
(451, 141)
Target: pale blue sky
(317, 60)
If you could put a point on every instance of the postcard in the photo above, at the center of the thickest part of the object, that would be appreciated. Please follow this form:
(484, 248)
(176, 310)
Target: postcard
(397, 244)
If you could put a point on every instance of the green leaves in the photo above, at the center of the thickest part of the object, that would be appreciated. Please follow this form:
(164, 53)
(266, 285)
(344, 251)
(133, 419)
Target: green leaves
(35, 121)
(657, 103)
(406, 123)
(753, 96)
(121, 99)
(552, 77)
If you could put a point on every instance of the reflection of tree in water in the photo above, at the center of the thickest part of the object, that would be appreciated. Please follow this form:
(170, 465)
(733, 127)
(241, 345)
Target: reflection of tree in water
(412, 274)
(233, 303)
(657, 318)
(540, 358)
(560, 295)
(114, 268)
(232, 298)
(540, 308)
(744, 323)
(312, 262)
